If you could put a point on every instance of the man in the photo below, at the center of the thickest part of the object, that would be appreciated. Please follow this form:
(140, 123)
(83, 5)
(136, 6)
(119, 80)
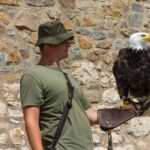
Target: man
(44, 95)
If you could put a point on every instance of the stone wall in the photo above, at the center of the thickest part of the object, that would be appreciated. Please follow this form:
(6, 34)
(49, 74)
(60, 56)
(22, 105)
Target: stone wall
(101, 28)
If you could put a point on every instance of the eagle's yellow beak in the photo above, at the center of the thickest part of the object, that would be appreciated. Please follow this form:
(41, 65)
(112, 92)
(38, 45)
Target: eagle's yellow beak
(147, 37)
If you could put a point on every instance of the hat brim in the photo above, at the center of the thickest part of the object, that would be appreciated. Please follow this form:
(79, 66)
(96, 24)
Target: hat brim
(57, 39)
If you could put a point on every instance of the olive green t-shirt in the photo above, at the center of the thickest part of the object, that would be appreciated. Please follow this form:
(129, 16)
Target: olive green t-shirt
(45, 87)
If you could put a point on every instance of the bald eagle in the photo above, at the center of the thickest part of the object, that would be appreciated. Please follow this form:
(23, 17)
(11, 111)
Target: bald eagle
(132, 68)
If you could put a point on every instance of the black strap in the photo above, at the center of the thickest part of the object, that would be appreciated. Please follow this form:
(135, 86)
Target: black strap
(110, 145)
(65, 112)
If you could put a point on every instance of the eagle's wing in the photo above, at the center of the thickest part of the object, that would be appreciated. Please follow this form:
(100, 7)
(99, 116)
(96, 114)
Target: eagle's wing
(120, 71)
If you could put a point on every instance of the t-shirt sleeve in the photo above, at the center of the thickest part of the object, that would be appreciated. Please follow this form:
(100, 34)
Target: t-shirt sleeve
(85, 102)
(30, 91)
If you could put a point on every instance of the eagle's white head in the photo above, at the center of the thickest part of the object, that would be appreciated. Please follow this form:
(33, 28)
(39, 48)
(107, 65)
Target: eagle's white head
(137, 41)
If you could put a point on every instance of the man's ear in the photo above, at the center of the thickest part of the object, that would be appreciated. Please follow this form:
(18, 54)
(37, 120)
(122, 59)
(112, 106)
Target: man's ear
(43, 47)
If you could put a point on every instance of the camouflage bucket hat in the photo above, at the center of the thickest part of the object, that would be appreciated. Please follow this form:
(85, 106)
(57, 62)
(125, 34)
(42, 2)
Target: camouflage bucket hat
(53, 33)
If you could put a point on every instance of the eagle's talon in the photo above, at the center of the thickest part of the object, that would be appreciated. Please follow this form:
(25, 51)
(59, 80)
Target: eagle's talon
(126, 105)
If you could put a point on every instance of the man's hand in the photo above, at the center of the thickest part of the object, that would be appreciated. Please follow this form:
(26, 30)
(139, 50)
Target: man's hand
(92, 115)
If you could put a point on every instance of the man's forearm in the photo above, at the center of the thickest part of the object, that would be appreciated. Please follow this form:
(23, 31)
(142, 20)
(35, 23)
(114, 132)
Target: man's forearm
(92, 115)
(34, 136)
(31, 118)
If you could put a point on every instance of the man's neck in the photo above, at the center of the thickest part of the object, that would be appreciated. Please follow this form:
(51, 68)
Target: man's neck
(49, 62)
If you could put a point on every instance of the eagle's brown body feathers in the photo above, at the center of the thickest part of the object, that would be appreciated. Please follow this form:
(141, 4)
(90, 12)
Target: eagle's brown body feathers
(132, 72)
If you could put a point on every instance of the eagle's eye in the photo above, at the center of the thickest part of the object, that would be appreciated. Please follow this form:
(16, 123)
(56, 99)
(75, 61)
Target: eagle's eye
(143, 35)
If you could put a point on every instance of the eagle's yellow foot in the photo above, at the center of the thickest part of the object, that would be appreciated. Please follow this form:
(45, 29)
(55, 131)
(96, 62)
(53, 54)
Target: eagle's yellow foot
(126, 105)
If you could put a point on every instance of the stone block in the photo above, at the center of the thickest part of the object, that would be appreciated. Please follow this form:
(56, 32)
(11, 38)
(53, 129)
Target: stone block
(71, 13)
(97, 35)
(68, 25)
(137, 7)
(4, 17)
(96, 138)
(85, 5)
(10, 32)
(105, 44)
(14, 113)
(107, 58)
(142, 145)
(67, 3)
(140, 127)
(123, 24)
(54, 13)
(118, 44)
(24, 53)
(10, 76)
(135, 20)
(10, 2)
(109, 10)
(33, 38)
(85, 72)
(14, 57)
(9, 68)
(75, 53)
(17, 136)
(111, 95)
(27, 21)
(3, 138)
(41, 3)
(89, 21)
(92, 56)
(23, 66)
(83, 31)
(85, 42)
